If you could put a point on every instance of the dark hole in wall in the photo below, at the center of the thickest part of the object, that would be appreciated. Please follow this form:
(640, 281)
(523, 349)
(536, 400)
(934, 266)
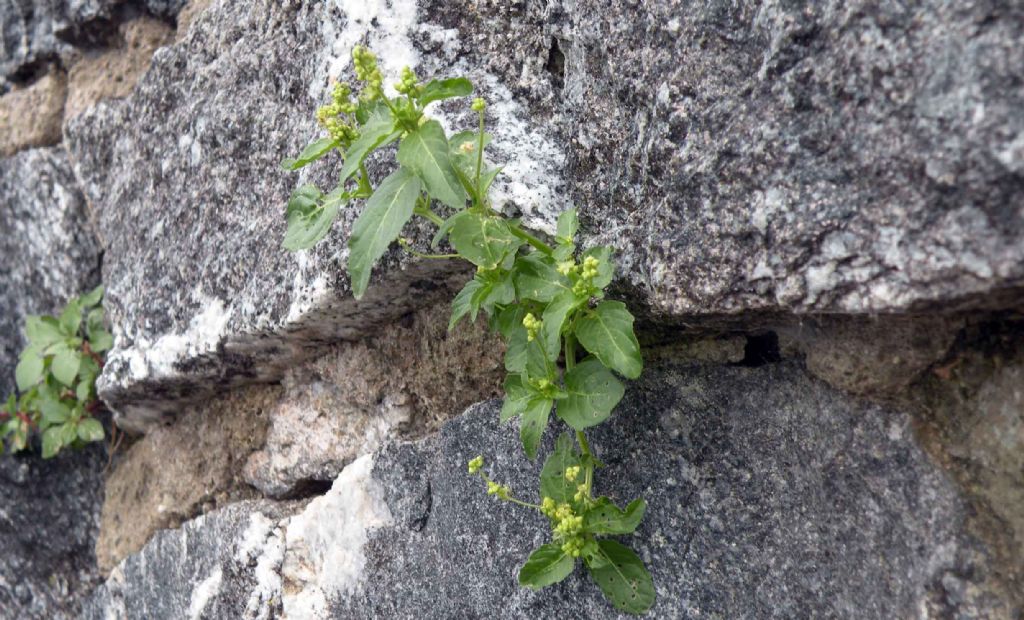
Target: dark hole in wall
(556, 64)
(309, 488)
(761, 349)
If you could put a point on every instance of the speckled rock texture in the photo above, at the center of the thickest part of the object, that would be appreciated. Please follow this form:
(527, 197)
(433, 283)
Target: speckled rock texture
(770, 495)
(48, 251)
(49, 519)
(759, 156)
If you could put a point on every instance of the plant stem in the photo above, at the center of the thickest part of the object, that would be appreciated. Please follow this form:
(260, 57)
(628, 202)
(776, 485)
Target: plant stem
(534, 241)
(428, 213)
(408, 248)
(570, 351)
(480, 152)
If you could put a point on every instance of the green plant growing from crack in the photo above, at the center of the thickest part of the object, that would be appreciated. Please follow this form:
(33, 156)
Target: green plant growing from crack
(56, 379)
(545, 298)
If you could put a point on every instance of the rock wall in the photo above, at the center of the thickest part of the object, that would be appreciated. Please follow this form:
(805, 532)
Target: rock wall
(817, 216)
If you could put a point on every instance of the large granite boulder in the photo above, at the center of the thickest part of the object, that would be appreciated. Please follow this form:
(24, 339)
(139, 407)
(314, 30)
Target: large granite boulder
(770, 495)
(48, 252)
(762, 156)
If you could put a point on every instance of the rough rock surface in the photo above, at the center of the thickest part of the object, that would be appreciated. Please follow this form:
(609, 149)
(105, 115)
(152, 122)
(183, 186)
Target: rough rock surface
(49, 519)
(807, 157)
(756, 478)
(48, 251)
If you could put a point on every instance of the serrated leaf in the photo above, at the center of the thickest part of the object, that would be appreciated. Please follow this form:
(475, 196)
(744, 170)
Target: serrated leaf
(43, 331)
(623, 578)
(496, 289)
(605, 268)
(532, 423)
(425, 152)
(93, 297)
(537, 278)
(100, 340)
(483, 240)
(547, 565)
(436, 90)
(379, 224)
(53, 441)
(593, 393)
(462, 304)
(554, 319)
(517, 395)
(65, 365)
(90, 429)
(568, 224)
(378, 131)
(53, 411)
(313, 151)
(607, 332)
(509, 318)
(552, 477)
(310, 216)
(607, 518)
(28, 371)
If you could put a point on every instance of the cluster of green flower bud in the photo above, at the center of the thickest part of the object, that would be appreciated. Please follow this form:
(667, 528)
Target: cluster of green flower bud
(587, 271)
(500, 490)
(582, 493)
(478, 104)
(572, 472)
(331, 116)
(532, 325)
(573, 546)
(568, 525)
(476, 464)
(365, 63)
(409, 83)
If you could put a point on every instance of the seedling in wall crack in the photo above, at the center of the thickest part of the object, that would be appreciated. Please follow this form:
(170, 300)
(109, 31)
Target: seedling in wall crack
(56, 379)
(545, 298)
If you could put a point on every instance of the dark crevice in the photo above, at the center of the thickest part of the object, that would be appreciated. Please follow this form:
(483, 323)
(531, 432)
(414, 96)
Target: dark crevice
(761, 349)
(556, 64)
(305, 489)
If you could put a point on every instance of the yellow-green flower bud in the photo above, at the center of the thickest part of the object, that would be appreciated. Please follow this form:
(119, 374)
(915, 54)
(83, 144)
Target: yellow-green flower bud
(548, 507)
(532, 325)
(476, 464)
(478, 104)
(572, 472)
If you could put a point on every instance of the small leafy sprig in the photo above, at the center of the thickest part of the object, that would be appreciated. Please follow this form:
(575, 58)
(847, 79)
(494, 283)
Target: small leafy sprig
(545, 298)
(56, 378)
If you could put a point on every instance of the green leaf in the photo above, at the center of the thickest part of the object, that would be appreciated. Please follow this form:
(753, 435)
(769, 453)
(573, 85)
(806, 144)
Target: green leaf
(532, 424)
(100, 340)
(537, 278)
(379, 224)
(94, 320)
(425, 152)
(622, 577)
(90, 429)
(487, 178)
(52, 441)
(310, 216)
(568, 224)
(313, 151)
(462, 304)
(517, 396)
(93, 297)
(378, 131)
(496, 289)
(69, 432)
(538, 365)
(554, 319)
(607, 332)
(28, 371)
(605, 268)
(515, 349)
(83, 391)
(443, 229)
(43, 331)
(593, 393)
(607, 518)
(54, 412)
(436, 90)
(483, 240)
(65, 365)
(509, 318)
(547, 565)
(552, 477)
